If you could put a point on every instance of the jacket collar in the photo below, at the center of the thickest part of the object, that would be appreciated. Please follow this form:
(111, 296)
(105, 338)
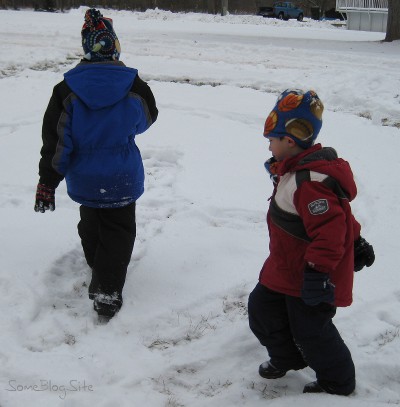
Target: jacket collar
(289, 164)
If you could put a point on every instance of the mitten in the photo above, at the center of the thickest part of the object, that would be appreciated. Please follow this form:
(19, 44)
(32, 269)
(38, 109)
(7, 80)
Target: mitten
(271, 165)
(363, 254)
(45, 198)
(317, 287)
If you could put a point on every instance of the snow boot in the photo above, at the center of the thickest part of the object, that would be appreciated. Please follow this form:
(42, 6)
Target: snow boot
(313, 387)
(107, 305)
(268, 371)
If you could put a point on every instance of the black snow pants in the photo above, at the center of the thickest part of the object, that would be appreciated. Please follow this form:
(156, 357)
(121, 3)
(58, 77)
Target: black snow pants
(296, 334)
(107, 237)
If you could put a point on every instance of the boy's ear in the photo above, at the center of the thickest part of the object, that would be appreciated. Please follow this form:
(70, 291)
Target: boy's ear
(290, 141)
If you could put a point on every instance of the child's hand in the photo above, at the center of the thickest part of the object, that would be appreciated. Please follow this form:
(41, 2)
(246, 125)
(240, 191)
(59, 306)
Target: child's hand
(363, 254)
(317, 287)
(45, 199)
(271, 165)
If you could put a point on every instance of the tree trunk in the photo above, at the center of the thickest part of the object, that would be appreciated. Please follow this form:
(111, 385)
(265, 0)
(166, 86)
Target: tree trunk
(224, 7)
(393, 23)
(211, 6)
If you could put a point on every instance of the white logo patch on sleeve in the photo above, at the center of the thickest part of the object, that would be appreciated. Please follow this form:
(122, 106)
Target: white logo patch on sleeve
(318, 207)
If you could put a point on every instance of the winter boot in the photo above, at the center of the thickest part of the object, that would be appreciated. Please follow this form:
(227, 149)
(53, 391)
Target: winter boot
(313, 387)
(268, 371)
(107, 305)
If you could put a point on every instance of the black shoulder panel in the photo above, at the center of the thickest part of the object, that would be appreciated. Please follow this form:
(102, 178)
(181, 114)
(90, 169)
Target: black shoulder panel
(290, 223)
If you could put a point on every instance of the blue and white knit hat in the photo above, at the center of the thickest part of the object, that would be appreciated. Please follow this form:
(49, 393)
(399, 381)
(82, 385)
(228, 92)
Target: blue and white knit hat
(99, 41)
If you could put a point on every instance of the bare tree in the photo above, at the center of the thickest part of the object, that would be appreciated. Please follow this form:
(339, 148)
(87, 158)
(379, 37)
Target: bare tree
(322, 4)
(211, 6)
(393, 23)
(224, 7)
(310, 7)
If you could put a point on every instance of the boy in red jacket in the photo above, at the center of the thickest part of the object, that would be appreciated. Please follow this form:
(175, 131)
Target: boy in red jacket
(315, 247)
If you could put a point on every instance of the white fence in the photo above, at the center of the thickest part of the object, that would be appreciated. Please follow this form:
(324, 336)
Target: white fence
(365, 15)
(362, 5)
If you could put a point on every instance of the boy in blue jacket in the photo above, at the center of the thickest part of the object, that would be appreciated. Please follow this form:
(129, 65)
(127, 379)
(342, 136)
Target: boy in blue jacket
(88, 133)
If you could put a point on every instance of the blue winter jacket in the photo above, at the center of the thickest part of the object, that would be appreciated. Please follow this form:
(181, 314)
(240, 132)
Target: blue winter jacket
(96, 150)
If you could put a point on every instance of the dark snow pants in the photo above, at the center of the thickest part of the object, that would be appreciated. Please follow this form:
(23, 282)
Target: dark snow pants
(107, 237)
(296, 334)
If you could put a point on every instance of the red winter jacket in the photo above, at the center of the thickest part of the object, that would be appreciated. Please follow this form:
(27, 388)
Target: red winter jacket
(310, 221)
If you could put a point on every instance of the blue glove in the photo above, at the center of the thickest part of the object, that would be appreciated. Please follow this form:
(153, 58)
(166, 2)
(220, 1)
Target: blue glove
(271, 167)
(317, 287)
(363, 254)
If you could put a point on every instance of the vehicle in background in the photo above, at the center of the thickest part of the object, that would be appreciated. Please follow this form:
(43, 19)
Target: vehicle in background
(282, 10)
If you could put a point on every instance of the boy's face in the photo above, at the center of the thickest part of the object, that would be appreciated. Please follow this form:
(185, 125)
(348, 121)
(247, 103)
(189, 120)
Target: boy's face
(282, 147)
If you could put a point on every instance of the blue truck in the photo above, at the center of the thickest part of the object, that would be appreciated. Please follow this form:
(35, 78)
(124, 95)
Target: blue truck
(282, 10)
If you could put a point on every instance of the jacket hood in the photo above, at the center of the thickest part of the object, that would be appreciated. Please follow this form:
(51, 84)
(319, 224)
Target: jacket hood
(325, 161)
(100, 85)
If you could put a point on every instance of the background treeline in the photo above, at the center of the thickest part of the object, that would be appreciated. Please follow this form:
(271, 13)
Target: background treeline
(203, 6)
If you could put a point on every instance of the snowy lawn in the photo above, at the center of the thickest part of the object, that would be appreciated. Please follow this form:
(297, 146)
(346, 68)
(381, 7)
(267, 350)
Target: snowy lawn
(182, 338)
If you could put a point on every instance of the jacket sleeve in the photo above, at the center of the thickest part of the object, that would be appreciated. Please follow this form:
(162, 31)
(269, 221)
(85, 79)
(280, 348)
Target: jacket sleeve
(324, 219)
(142, 89)
(47, 174)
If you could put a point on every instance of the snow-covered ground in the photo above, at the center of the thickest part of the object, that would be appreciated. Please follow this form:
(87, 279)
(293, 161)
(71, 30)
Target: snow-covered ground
(181, 338)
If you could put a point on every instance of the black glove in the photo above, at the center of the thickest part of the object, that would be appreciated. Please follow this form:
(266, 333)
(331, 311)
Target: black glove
(363, 254)
(45, 198)
(317, 287)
